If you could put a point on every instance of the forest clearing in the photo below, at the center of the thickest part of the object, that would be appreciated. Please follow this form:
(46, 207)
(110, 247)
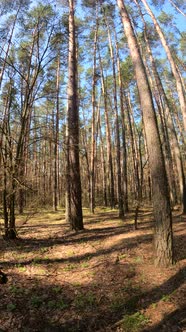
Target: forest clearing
(99, 279)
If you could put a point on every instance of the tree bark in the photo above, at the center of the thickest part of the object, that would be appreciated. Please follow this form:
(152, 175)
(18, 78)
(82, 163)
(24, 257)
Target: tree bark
(110, 173)
(123, 120)
(161, 202)
(180, 89)
(56, 143)
(75, 217)
(171, 135)
(118, 156)
(93, 145)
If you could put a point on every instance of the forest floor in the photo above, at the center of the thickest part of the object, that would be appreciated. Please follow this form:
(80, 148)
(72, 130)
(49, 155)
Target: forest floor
(99, 279)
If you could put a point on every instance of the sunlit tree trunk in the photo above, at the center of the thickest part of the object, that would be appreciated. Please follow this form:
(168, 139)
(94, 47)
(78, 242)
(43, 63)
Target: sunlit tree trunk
(133, 145)
(177, 8)
(9, 170)
(93, 145)
(74, 205)
(171, 137)
(118, 157)
(161, 202)
(56, 143)
(86, 155)
(180, 89)
(8, 47)
(103, 164)
(123, 120)
(110, 173)
(5, 142)
(164, 136)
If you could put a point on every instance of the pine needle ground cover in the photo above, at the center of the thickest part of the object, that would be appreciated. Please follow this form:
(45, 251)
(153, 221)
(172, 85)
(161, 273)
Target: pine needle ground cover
(99, 279)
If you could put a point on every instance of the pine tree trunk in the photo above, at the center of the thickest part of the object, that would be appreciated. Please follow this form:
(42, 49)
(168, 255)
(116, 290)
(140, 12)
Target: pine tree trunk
(92, 161)
(170, 125)
(5, 193)
(161, 202)
(177, 8)
(118, 157)
(56, 143)
(110, 173)
(180, 89)
(9, 45)
(85, 146)
(75, 217)
(165, 138)
(133, 145)
(123, 119)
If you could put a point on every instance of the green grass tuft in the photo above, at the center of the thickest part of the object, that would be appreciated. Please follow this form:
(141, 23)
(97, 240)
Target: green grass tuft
(133, 323)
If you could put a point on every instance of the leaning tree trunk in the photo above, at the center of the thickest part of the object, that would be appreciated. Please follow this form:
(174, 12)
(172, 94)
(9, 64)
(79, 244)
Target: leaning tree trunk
(165, 137)
(161, 202)
(9, 45)
(75, 217)
(171, 135)
(177, 8)
(179, 85)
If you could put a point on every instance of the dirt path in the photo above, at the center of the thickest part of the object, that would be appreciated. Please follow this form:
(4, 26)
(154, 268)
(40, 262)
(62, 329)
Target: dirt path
(91, 280)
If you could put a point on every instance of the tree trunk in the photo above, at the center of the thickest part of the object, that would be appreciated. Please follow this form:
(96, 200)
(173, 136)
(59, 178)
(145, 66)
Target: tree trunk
(9, 45)
(169, 123)
(135, 157)
(123, 119)
(5, 193)
(110, 173)
(177, 8)
(75, 217)
(93, 145)
(56, 143)
(180, 90)
(161, 202)
(85, 147)
(118, 157)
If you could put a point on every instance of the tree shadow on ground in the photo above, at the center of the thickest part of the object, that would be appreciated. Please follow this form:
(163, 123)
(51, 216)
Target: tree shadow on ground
(88, 235)
(174, 322)
(35, 244)
(167, 288)
(36, 305)
(25, 228)
(91, 235)
(33, 303)
(50, 304)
